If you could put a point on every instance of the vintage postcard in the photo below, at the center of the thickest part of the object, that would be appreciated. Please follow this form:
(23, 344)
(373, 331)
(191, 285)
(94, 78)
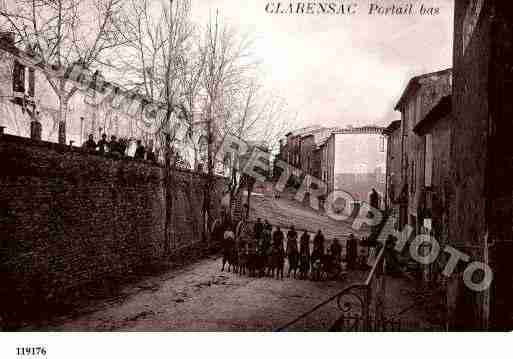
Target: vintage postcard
(254, 166)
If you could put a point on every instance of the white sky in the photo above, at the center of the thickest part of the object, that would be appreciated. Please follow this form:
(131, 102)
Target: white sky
(337, 70)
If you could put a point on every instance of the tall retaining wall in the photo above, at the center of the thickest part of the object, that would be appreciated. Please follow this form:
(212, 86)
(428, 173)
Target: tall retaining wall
(70, 220)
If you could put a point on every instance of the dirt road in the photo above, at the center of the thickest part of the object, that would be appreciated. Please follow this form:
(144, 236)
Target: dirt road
(200, 297)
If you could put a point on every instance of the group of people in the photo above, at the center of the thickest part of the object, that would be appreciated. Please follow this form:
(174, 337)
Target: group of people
(262, 252)
(116, 147)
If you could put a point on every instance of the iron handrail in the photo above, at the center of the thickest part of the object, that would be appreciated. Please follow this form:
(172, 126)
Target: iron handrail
(365, 285)
(304, 315)
(372, 272)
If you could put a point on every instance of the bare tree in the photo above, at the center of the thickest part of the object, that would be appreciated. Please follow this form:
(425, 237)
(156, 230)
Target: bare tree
(64, 33)
(275, 120)
(235, 103)
(240, 121)
(260, 120)
(159, 62)
(228, 62)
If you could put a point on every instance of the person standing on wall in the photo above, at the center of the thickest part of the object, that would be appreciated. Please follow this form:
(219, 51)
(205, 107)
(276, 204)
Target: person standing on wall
(90, 144)
(114, 146)
(140, 150)
(103, 145)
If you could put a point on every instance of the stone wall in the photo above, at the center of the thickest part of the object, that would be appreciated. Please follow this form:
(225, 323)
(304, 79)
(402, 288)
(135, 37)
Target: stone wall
(441, 137)
(481, 167)
(70, 220)
(469, 143)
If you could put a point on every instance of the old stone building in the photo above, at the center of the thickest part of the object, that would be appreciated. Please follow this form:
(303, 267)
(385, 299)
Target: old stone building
(308, 150)
(350, 159)
(481, 212)
(317, 163)
(435, 131)
(89, 112)
(290, 149)
(419, 97)
(327, 162)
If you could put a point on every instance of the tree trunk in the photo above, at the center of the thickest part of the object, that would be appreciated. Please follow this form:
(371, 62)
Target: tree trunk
(168, 195)
(63, 111)
(210, 176)
(232, 190)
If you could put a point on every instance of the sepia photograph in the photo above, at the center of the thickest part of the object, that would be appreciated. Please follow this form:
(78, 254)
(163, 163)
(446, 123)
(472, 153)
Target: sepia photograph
(255, 166)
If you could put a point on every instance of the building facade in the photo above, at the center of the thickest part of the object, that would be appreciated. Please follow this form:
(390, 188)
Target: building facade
(307, 148)
(327, 162)
(481, 212)
(352, 159)
(435, 130)
(420, 96)
(23, 89)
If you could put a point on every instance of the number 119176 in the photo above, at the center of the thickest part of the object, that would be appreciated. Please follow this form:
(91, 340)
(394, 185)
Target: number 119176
(30, 351)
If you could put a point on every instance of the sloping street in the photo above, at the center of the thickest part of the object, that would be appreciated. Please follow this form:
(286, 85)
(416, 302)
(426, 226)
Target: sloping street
(200, 297)
(286, 211)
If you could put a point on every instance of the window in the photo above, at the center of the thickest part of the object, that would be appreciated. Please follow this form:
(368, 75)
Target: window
(429, 161)
(382, 144)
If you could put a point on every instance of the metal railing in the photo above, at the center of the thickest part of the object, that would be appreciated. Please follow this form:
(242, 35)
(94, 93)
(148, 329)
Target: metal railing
(361, 304)
(366, 312)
